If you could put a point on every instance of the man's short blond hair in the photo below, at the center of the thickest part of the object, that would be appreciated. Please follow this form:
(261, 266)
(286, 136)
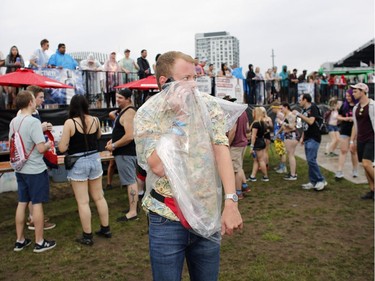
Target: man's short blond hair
(166, 62)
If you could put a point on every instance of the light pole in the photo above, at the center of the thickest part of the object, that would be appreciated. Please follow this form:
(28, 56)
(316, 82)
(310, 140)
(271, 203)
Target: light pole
(273, 59)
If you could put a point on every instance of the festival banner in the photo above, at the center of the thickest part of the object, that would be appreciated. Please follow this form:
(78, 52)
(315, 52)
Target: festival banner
(70, 77)
(204, 84)
(232, 87)
(306, 88)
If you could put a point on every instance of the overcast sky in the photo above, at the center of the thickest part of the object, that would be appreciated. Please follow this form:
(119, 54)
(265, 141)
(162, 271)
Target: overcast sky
(303, 33)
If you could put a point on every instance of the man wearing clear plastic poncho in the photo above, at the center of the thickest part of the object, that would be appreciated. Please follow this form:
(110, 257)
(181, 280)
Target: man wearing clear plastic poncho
(181, 143)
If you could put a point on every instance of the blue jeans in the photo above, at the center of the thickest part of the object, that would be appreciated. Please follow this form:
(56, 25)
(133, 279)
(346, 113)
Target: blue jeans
(311, 152)
(170, 243)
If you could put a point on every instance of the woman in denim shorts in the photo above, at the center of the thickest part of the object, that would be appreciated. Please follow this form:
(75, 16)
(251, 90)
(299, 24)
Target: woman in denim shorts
(333, 129)
(291, 140)
(346, 119)
(79, 138)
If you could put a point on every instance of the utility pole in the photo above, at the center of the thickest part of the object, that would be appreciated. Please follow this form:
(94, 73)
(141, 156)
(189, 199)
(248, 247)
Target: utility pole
(273, 59)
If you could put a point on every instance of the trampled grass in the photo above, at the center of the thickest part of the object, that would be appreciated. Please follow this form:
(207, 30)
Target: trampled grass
(289, 235)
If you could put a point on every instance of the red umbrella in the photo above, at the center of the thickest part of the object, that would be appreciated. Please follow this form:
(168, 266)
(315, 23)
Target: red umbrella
(25, 76)
(147, 83)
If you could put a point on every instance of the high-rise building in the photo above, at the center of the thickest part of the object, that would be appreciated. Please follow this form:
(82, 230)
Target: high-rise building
(218, 47)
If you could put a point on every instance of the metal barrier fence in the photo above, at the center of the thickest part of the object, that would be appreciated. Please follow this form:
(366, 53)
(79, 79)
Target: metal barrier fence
(98, 86)
(262, 92)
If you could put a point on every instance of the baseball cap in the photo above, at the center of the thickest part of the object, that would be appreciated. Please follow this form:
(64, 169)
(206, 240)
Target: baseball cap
(229, 98)
(126, 93)
(361, 86)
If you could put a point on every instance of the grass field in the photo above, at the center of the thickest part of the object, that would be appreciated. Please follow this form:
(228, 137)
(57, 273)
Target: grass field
(289, 234)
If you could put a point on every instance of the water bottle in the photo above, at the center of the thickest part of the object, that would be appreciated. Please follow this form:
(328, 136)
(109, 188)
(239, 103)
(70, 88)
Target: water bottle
(18, 59)
(254, 154)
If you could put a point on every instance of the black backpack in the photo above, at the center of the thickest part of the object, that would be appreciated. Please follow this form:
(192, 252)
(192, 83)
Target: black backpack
(320, 121)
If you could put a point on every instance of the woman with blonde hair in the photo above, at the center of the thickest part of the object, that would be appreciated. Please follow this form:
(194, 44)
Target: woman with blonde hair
(291, 140)
(333, 129)
(258, 145)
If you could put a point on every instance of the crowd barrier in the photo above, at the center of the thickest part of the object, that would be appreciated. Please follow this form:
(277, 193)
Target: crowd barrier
(99, 87)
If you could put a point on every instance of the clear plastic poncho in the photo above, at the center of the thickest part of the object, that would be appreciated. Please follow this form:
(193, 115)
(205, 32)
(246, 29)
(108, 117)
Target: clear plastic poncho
(182, 124)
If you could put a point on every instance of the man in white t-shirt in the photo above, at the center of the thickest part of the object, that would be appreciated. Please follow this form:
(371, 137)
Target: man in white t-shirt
(39, 59)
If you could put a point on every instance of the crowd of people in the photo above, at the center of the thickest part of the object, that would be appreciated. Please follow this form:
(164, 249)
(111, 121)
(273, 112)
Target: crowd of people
(125, 69)
(189, 147)
(259, 88)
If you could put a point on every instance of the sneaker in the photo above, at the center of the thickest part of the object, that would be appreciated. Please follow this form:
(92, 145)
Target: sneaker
(290, 178)
(368, 195)
(20, 246)
(47, 226)
(46, 245)
(339, 175)
(355, 174)
(251, 178)
(332, 154)
(264, 178)
(283, 170)
(30, 222)
(108, 187)
(104, 233)
(307, 186)
(320, 185)
(85, 241)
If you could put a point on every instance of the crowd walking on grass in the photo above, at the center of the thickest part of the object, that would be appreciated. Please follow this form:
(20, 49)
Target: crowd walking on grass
(178, 138)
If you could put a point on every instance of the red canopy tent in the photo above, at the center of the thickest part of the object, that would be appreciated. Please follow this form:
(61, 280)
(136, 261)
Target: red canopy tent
(23, 76)
(148, 83)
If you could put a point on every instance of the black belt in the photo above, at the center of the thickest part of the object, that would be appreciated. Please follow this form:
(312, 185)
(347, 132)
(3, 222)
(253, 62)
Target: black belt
(157, 196)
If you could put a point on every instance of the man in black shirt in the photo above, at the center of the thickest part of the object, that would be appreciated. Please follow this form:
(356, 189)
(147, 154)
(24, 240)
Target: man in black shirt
(122, 147)
(144, 66)
(144, 70)
(311, 137)
(363, 133)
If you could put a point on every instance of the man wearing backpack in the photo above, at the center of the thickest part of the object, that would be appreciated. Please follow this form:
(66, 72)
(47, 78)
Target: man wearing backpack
(311, 137)
(32, 177)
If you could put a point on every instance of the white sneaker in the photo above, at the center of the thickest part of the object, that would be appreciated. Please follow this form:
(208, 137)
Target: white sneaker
(307, 186)
(355, 173)
(320, 185)
(339, 175)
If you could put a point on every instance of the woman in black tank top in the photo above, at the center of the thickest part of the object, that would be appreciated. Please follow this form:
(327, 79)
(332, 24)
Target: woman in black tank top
(80, 134)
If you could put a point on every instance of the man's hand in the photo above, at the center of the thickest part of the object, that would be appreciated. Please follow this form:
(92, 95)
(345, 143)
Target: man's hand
(109, 146)
(231, 219)
(46, 126)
